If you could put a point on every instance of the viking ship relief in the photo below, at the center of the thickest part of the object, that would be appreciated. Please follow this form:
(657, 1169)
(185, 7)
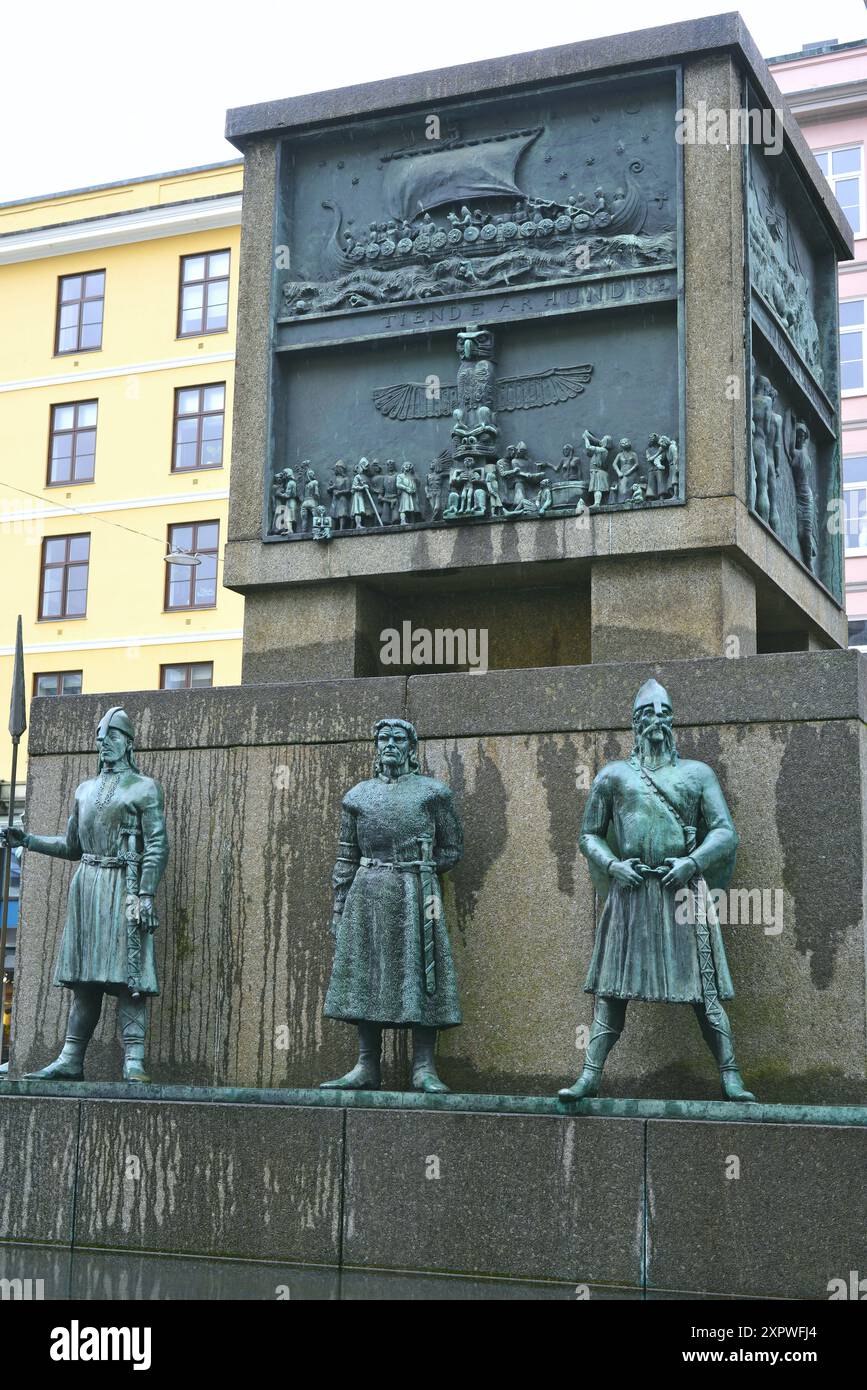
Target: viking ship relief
(459, 217)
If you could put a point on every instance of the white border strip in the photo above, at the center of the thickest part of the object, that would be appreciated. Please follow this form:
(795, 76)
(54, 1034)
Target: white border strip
(107, 643)
(10, 517)
(135, 369)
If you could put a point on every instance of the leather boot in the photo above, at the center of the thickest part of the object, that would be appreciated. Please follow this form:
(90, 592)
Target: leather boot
(718, 1037)
(83, 1017)
(608, 1018)
(366, 1075)
(131, 1015)
(424, 1072)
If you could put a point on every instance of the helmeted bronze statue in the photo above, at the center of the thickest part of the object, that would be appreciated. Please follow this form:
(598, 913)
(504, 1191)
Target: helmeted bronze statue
(393, 964)
(657, 835)
(117, 833)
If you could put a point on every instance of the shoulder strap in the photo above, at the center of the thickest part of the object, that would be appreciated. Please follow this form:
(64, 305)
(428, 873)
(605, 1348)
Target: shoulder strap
(689, 833)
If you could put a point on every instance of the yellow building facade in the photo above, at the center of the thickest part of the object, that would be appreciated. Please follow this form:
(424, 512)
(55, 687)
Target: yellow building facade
(118, 307)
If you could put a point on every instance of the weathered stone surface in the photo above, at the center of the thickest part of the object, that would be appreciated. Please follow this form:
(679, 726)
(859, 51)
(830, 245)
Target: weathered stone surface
(713, 289)
(320, 632)
(35, 1272)
(375, 1286)
(499, 1190)
(251, 409)
(128, 1277)
(521, 909)
(223, 1180)
(37, 1160)
(495, 1194)
(684, 606)
(793, 1220)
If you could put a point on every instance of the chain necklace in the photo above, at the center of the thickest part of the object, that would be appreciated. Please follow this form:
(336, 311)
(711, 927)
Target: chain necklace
(106, 786)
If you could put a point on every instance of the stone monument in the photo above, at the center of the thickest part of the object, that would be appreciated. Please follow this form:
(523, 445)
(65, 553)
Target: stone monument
(542, 347)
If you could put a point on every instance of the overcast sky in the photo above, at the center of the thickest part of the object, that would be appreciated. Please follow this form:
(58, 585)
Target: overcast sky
(93, 92)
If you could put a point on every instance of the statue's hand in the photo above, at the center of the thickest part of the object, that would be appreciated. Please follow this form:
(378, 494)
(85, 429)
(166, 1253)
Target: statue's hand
(147, 915)
(13, 836)
(680, 873)
(624, 871)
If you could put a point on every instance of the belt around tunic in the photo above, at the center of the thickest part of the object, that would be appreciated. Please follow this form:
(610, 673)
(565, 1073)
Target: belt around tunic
(104, 861)
(407, 866)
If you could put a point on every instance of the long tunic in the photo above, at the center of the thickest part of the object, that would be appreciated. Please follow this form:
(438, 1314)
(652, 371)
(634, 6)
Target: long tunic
(641, 950)
(378, 973)
(93, 949)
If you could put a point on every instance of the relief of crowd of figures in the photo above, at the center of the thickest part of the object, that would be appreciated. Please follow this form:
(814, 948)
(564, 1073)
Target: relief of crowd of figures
(775, 438)
(368, 494)
(476, 478)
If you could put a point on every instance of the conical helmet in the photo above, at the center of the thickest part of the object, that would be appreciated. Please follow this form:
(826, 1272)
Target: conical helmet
(115, 718)
(652, 693)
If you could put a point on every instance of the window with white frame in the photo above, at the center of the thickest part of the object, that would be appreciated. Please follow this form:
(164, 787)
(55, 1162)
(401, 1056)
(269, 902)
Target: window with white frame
(843, 170)
(851, 344)
(855, 503)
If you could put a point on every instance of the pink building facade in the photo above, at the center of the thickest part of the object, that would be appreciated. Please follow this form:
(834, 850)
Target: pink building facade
(826, 86)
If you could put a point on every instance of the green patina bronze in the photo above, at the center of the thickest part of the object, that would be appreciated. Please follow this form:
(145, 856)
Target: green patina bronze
(657, 834)
(393, 964)
(117, 834)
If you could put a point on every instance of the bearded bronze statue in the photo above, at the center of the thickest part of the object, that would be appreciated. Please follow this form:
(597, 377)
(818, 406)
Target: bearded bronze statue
(658, 835)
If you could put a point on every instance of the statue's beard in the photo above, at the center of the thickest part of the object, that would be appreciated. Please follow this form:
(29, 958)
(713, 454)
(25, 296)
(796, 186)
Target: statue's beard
(390, 768)
(655, 751)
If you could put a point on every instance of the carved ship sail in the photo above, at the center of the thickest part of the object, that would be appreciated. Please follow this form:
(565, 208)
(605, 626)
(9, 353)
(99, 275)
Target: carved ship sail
(419, 182)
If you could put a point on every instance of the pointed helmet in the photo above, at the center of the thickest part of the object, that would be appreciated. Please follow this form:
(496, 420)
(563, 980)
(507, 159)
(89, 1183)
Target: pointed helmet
(115, 718)
(651, 693)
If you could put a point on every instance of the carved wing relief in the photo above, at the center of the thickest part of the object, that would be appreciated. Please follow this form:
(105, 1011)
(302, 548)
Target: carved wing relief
(542, 388)
(414, 400)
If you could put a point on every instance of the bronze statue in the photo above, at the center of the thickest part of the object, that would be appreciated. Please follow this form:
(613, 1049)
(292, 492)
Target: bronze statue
(625, 466)
(117, 834)
(805, 502)
(340, 492)
(766, 440)
(393, 964)
(597, 450)
(656, 833)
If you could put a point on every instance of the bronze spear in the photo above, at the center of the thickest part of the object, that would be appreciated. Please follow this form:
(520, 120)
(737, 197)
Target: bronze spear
(17, 725)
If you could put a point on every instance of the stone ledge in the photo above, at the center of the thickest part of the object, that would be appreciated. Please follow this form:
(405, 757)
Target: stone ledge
(229, 716)
(785, 686)
(551, 551)
(464, 1103)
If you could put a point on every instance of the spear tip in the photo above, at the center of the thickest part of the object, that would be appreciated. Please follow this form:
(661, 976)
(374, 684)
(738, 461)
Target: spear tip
(18, 703)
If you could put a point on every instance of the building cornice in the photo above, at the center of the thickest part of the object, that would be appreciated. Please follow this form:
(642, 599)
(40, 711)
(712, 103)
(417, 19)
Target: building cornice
(814, 104)
(121, 228)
